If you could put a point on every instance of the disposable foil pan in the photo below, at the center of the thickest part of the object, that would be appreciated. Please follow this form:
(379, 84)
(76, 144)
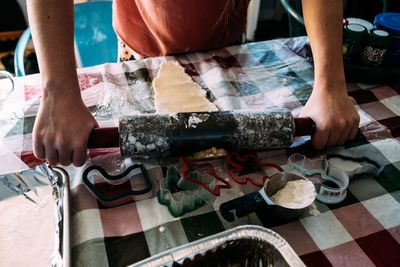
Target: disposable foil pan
(34, 205)
(246, 245)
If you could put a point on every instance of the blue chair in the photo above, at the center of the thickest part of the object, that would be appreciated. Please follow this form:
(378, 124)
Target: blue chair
(95, 39)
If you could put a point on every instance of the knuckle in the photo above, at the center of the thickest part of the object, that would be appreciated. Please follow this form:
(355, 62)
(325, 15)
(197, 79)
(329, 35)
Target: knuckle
(79, 144)
(340, 123)
(62, 144)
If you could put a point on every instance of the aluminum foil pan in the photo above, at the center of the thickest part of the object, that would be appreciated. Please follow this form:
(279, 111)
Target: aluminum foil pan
(34, 205)
(246, 245)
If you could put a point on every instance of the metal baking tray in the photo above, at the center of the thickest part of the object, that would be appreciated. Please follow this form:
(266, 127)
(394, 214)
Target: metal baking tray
(35, 217)
(246, 245)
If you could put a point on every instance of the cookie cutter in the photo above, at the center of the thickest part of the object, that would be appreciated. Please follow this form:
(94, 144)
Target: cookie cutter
(190, 175)
(368, 166)
(238, 168)
(116, 192)
(333, 188)
(335, 175)
(249, 203)
(178, 196)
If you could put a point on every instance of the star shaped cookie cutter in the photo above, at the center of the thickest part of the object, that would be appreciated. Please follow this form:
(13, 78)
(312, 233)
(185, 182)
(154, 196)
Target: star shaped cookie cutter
(189, 170)
(178, 199)
(238, 168)
(116, 184)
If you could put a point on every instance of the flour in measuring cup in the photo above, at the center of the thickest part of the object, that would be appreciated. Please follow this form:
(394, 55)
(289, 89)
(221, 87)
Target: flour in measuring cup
(296, 194)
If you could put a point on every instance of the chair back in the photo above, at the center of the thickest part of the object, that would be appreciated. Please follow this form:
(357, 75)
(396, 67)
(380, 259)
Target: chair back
(95, 39)
(19, 53)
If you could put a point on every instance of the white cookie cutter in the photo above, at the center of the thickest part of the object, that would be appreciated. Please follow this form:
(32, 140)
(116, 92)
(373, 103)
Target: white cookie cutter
(309, 168)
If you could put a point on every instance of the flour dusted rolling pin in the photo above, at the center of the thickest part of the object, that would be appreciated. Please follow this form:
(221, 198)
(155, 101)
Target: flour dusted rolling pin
(184, 133)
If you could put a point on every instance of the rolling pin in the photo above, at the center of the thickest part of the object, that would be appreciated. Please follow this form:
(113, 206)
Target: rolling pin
(184, 133)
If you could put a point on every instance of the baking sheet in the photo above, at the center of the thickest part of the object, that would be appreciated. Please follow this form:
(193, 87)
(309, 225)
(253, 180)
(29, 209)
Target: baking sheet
(34, 217)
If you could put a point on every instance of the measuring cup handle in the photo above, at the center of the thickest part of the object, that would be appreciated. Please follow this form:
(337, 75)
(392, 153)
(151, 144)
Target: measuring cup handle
(243, 205)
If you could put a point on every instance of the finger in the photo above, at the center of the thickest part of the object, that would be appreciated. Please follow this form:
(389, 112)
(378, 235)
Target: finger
(38, 150)
(335, 133)
(320, 138)
(353, 132)
(344, 136)
(51, 155)
(65, 157)
(79, 157)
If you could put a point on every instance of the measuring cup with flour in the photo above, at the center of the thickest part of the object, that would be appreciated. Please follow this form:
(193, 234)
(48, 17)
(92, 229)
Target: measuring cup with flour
(287, 195)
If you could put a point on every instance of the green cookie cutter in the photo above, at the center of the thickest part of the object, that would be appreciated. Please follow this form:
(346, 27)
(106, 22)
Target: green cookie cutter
(179, 195)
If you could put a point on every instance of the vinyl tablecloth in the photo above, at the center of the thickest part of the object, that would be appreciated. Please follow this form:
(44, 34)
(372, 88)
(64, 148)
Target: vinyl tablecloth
(363, 230)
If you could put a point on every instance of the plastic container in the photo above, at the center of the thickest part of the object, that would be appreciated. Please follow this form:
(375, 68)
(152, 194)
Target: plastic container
(353, 40)
(368, 25)
(377, 44)
(390, 22)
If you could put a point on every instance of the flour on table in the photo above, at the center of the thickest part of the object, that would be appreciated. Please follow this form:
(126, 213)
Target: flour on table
(296, 194)
(175, 91)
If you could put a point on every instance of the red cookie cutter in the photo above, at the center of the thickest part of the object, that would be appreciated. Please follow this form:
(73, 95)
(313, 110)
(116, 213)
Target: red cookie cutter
(185, 162)
(238, 168)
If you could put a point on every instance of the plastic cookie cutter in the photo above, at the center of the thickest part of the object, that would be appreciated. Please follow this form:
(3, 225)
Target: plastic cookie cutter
(119, 189)
(179, 199)
(207, 180)
(361, 165)
(249, 203)
(333, 187)
(335, 172)
(240, 164)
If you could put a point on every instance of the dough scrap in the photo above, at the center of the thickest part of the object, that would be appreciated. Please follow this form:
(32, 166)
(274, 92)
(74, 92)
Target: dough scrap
(175, 91)
(210, 153)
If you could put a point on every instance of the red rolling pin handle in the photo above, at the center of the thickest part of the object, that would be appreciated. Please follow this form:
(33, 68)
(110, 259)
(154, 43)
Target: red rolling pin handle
(104, 138)
(304, 126)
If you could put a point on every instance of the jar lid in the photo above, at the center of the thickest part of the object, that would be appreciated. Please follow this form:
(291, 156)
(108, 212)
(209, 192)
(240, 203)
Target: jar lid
(354, 32)
(389, 22)
(379, 38)
(368, 25)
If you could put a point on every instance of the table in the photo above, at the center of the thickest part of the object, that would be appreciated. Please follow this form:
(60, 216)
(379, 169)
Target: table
(363, 230)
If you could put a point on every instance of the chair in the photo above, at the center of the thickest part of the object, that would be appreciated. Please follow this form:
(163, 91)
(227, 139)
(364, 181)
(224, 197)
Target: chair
(95, 39)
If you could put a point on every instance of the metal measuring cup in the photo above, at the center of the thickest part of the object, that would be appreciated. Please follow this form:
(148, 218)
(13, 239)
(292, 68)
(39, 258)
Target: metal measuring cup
(251, 202)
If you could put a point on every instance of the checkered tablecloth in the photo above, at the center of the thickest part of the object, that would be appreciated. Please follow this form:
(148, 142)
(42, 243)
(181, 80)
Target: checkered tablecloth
(363, 230)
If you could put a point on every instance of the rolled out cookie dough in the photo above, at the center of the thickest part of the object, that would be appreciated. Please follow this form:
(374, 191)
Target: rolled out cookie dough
(176, 92)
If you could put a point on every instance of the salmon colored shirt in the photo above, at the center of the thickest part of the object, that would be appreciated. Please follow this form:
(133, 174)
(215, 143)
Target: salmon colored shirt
(164, 27)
